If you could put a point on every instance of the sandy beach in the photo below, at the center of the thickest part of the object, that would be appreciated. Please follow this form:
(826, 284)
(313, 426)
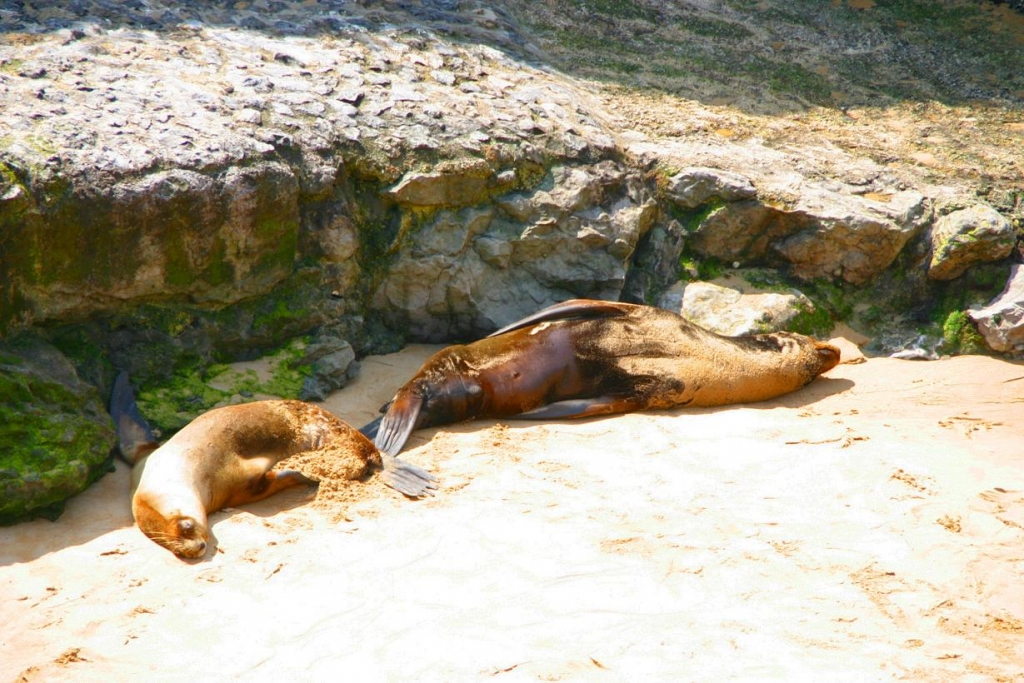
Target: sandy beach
(869, 527)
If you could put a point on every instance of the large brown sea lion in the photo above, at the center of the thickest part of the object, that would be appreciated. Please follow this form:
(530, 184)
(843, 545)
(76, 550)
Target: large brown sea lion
(582, 358)
(225, 458)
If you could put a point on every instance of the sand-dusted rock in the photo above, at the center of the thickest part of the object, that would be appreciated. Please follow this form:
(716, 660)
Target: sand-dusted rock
(402, 172)
(961, 239)
(206, 166)
(56, 434)
(742, 232)
(1001, 323)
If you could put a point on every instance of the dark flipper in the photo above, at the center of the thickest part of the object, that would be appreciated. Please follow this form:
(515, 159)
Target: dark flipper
(574, 309)
(407, 478)
(369, 429)
(580, 407)
(398, 423)
(134, 435)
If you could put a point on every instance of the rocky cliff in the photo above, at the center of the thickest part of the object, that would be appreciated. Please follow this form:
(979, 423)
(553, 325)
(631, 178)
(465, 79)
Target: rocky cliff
(183, 186)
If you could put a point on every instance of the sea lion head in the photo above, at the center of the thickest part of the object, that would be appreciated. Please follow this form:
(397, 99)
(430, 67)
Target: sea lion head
(182, 534)
(445, 390)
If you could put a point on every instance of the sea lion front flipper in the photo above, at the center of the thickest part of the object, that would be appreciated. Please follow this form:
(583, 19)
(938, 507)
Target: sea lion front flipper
(269, 483)
(574, 309)
(398, 423)
(406, 478)
(134, 436)
(581, 407)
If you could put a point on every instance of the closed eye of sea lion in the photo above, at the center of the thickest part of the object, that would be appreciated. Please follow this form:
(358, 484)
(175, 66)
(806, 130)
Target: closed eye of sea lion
(225, 457)
(582, 358)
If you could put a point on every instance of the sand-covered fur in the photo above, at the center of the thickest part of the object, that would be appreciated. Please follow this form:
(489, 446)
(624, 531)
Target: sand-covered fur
(226, 458)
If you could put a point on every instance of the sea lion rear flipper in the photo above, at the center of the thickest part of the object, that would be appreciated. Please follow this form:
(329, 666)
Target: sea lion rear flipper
(407, 478)
(573, 309)
(580, 407)
(134, 435)
(397, 424)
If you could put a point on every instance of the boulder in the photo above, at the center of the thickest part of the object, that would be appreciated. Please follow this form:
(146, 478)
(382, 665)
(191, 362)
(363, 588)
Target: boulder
(735, 306)
(468, 271)
(1001, 322)
(333, 364)
(462, 186)
(823, 234)
(961, 239)
(692, 187)
(56, 433)
(170, 234)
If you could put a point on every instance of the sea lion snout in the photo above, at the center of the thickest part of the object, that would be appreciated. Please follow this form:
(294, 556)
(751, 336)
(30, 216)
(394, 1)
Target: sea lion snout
(190, 538)
(828, 356)
(183, 535)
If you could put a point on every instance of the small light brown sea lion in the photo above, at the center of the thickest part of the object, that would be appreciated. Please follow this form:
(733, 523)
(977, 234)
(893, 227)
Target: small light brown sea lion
(582, 358)
(225, 458)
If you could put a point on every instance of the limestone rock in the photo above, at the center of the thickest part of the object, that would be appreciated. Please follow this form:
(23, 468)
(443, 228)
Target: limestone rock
(333, 362)
(824, 234)
(656, 262)
(214, 168)
(742, 232)
(470, 271)
(175, 233)
(692, 187)
(852, 238)
(461, 187)
(961, 239)
(57, 436)
(1001, 322)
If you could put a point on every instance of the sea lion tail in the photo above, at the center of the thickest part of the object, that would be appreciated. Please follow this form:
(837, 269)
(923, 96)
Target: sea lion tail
(134, 436)
(398, 423)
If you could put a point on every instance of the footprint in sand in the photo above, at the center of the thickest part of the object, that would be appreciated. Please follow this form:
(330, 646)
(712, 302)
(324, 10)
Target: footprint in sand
(1007, 506)
(968, 424)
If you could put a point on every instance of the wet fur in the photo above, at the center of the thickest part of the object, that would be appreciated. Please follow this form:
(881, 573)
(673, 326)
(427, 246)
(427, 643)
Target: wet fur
(584, 358)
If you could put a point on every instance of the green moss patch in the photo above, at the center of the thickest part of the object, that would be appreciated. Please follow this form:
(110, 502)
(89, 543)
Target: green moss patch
(56, 435)
(171, 404)
(959, 335)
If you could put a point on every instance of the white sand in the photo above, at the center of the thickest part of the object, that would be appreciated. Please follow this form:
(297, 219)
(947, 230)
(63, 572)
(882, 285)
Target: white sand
(869, 527)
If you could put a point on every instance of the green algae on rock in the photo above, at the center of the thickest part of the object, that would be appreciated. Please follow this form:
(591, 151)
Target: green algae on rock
(57, 435)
